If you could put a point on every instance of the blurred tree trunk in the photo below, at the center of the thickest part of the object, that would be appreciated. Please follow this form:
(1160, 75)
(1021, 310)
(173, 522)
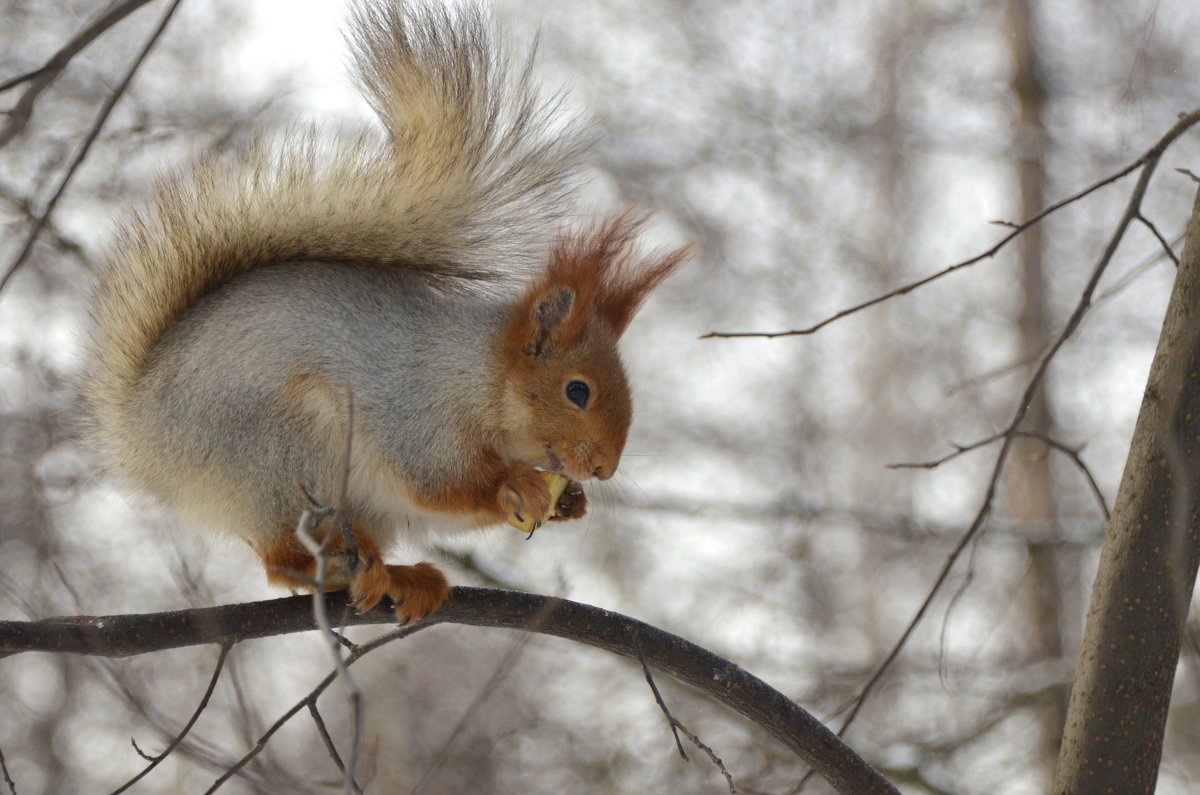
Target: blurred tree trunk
(1030, 478)
(1118, 710)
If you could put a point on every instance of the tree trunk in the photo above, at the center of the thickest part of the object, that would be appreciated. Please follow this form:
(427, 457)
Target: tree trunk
(1118, 709)
(1033, 497)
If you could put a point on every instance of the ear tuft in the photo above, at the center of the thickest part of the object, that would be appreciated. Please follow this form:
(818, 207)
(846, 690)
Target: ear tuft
(629, 285)
(590, 274)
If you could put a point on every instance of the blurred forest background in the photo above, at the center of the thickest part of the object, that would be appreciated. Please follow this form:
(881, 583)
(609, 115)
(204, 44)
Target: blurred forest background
(820, 153)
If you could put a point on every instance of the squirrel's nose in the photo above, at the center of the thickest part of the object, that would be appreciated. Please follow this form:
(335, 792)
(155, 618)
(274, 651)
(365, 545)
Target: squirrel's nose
(602, 473)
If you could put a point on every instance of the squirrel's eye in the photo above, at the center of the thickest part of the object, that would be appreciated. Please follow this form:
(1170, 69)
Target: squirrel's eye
(578, 393)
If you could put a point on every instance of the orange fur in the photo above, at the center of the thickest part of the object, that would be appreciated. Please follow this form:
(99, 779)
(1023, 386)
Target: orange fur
(466, 187)
(416, 590)
(477, 494)
(605, 280)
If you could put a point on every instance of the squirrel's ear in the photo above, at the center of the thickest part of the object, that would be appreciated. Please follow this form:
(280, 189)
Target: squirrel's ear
(589, 274)
(543, 322)
(548, 319)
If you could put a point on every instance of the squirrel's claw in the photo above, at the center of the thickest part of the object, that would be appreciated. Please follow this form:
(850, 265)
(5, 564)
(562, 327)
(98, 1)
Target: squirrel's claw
(371, 582)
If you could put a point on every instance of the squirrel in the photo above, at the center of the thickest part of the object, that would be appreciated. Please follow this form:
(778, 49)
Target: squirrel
(413, 296)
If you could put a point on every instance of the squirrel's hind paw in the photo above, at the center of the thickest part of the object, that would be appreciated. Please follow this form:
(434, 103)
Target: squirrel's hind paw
(417, 590)
(371, 582)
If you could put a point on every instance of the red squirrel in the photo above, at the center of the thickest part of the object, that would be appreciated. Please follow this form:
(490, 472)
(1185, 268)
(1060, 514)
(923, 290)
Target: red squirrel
(424, 272)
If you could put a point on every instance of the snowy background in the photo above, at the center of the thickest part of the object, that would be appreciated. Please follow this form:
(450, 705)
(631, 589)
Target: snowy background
(818, 154)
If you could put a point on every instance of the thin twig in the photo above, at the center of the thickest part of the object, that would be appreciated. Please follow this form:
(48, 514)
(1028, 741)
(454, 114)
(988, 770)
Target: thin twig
(1162, 241)
(676, 725)
(329, 746)
(41, 78)
(1119, 286)
(1135, 273)
(1148, 161)
(344, 484)
(343, 491)
(959, 449)
(25, 77)
(1074, 453)
(309, 521)
(311, 698)
(101, 118)
(1152, 155)
(155, 760)
(12, 787)
(304, 532)
(510, 659)
(979, 379)
(65, 242)
(637, 644)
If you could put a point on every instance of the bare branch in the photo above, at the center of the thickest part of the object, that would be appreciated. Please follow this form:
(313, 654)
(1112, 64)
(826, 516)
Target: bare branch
(1162, 241)
(959, 449)
(101, 118)
(65, 242)
(319, 551)
(323, 730)
(1148, 160)
(502, 670)
(1148, 163)
(658, 696)
(716, 760)
(1074, 453)
(12, 787)
(676, 725)
(746, 694)
(308, 701)
(155, 760)
(41, 78)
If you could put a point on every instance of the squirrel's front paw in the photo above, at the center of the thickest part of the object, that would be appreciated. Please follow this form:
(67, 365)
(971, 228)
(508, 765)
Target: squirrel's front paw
(525, 496)
(572, 503)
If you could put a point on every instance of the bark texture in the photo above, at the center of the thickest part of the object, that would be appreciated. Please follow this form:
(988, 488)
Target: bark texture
(1118, 710)
(120, 636)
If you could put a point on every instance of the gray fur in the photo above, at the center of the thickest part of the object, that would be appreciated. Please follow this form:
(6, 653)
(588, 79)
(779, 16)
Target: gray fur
(351, 255)
(384, 333)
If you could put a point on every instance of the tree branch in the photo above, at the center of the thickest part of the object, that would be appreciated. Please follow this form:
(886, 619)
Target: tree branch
(155, 760)
(101, 118)
(677, 726)
(323, 730)
(41, 78)
(124, 635)
(1148, 159)
(1072, 453)
(1148, 163)
(1144, 583)
(12, 787)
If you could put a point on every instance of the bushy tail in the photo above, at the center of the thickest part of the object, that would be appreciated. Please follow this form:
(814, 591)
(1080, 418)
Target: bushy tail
(469, 183)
